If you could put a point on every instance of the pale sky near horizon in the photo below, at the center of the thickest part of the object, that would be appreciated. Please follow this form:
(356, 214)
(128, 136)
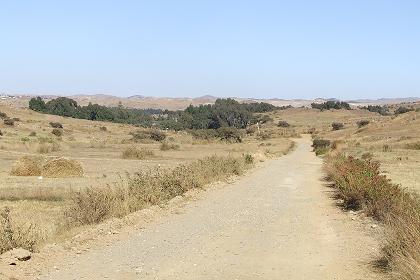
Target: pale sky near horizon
(264, 49)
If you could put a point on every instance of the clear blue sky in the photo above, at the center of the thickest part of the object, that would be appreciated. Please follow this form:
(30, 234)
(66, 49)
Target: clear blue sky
(286, 49)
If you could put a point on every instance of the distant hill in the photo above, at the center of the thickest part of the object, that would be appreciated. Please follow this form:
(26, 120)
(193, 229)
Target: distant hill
(179, 103)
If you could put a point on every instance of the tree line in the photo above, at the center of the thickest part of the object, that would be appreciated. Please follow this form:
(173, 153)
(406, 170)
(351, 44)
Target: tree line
(224, 113)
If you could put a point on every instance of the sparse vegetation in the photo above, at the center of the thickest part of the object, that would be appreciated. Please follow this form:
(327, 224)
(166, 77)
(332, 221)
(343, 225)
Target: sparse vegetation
(165, 146)
(321, 146)
(56, 125)
(413, 146)
(151, 134)
(57, 132)
(92, 205)
(362, 123)
(9, 122)
(133, 152)
(283, 124)
(402, 110)
(382, 110)
(337, 126)
(361, 185)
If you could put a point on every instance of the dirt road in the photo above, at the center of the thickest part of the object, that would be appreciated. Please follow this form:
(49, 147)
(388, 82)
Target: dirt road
(277, 223)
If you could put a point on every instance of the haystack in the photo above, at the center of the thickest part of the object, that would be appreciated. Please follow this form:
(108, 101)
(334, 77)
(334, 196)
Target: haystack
(62, 167)
(27, 166)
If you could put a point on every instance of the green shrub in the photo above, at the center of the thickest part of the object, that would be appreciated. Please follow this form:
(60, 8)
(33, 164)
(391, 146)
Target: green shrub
(402, 110)
(9, 122)
(57, 132)
(321, 146)
(362, 123)
(386, 148)
(151, 134)
(337, 126)
(283, 124)
(56, 125)
(230, 134)
(249, 159)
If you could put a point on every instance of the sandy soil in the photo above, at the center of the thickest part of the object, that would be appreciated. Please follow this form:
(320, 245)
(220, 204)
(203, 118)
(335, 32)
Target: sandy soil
(277, 223)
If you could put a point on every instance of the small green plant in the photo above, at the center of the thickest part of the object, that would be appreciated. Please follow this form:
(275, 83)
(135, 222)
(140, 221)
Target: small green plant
(25, 139)
(151, 134)
(57, 132)
(386, 148)
(321, 146)
(32, 134)
(249, 159)
(362, 123)
(337, 126)
(230, 134)
(283, 124)
(9, 122)
(56, 125)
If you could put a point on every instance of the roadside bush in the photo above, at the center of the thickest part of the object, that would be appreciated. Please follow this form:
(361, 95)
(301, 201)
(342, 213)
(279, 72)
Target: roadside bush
(135, 153)
(56, 125)
(95, 204)
(57, 132)
(3, 115)
(362, 123)
(283, 124)
(13, 235)
(337, 126)
(165, 146)
(321, 146)
(230, 134)
(9, 122)
(361, 185)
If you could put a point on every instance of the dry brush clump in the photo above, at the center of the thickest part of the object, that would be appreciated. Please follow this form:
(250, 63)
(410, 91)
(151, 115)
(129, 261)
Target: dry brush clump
(13, 235)
(53, 168)
(361, 185)
(95, 204)
(133, 152)
(165, 146)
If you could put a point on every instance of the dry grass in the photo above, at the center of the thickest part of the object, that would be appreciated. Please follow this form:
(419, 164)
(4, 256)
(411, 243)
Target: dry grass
(133, 152)
(362, 186)
(165, 146)
(62, 168)
(27, 166)
(93, 205)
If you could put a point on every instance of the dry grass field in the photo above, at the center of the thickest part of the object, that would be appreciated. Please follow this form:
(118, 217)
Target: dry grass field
(107, 154)
(392, 140)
